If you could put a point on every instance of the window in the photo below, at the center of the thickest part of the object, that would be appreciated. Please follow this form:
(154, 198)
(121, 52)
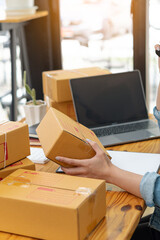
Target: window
(97, 33)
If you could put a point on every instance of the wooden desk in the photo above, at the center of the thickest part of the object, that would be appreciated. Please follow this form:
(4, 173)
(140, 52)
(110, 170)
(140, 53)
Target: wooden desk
(22, 18)
(14, 25)
(123, 209)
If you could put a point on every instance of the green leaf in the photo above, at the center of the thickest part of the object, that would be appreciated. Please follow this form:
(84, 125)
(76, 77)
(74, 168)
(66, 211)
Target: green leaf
(32, 92)
(28, 89)
(34, 96)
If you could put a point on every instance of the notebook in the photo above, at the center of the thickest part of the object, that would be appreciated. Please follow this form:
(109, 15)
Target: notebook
(113, 106)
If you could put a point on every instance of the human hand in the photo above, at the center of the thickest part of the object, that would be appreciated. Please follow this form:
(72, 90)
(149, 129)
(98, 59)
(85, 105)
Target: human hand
(96, 167)
(157, 47)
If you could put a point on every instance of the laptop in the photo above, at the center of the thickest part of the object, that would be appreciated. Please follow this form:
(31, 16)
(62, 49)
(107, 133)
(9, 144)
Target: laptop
(113, 106)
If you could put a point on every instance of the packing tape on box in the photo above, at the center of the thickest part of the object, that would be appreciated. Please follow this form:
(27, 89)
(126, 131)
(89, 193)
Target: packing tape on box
(47, 101)
(5, 142)
(50, 75)
(92, 203)
(20, 181)
(5, 148)
(91, 210)
(81, 73)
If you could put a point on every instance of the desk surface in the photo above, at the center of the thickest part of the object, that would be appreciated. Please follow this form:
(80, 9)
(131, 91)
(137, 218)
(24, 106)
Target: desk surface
(22, 18)
(123, 209)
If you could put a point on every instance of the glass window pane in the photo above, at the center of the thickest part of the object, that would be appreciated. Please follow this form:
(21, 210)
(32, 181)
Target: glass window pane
(97, 33)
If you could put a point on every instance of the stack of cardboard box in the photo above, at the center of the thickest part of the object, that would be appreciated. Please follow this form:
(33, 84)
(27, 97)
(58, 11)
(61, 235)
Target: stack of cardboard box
(14, 147)
(47, 205)
(56, 87)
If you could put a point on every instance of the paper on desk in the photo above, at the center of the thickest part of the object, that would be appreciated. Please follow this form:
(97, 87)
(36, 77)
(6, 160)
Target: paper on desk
(139, 163)
(37, 155)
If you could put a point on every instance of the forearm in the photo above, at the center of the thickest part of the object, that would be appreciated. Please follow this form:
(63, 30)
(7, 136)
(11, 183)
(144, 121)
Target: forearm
(101, 167)
(158, 92)
(158, 98)
(125, 180)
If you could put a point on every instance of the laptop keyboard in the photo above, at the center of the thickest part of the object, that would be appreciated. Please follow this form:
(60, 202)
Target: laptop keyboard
(123, 128)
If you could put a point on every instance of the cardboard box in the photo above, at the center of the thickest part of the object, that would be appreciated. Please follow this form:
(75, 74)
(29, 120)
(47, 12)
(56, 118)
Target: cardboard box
(64, 107)
(24, 163)
(56, 83)
(60, 135)
(14, 142)
(51, 206)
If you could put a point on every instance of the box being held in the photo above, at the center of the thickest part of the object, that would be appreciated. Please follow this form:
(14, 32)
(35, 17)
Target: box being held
(14, 142)
(56, 83)
(24, 163)
(62, 136)
(51, 206)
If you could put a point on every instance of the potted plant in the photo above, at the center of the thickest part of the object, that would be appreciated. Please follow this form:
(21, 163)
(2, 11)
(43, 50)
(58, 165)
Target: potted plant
(34, 109)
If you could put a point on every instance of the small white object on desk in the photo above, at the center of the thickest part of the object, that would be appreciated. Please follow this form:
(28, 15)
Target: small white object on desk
(37, 155)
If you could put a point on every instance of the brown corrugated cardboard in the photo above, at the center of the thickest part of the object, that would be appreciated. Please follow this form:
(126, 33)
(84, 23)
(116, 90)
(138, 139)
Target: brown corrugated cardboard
(24, 163)
(14, 142)
(62, 136)
(56, 83)
(64, 107)
(51, 206)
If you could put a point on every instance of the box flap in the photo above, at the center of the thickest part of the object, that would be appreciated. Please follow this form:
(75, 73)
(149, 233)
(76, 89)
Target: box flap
(55, 180)
(44, 187)
(60, 75)
(10, 126)
(24, 162)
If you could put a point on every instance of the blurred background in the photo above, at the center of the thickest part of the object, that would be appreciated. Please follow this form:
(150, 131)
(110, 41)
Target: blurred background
(92, 33)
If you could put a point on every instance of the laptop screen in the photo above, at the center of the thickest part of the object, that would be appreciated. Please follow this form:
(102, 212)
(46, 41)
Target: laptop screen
(109, 99)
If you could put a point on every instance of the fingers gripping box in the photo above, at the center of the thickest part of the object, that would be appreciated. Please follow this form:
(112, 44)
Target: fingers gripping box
(51, 206)
(62, 136)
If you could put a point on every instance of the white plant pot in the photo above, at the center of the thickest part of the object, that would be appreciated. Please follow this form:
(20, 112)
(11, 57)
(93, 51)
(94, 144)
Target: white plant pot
(34, 113)
(19, 4)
